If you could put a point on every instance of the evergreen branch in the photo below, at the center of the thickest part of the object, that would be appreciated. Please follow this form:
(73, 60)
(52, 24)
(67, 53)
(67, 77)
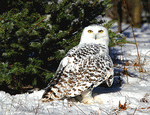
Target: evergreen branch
(94, 3)
(36, 25)
(124, 42)
(109, 24)
(44, 69)
(70, 30)
(75, 6)
(48, 59)
(74, 40)
(65, 33)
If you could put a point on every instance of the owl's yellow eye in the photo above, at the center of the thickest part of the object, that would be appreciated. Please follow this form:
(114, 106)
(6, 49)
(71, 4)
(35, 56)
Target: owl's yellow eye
(90, 31)
(100, 31)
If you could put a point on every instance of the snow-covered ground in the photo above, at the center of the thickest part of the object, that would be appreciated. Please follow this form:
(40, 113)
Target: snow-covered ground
(129, 95)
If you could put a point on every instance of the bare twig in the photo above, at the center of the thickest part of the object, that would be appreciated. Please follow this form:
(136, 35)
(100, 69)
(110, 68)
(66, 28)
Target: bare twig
(140, 67)
(134, 111)
(124, 29)
(79, 108)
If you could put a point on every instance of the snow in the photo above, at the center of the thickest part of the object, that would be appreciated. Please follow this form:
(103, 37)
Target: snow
(131, 87)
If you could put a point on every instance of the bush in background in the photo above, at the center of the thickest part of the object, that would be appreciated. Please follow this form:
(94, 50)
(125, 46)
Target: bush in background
(35, 36)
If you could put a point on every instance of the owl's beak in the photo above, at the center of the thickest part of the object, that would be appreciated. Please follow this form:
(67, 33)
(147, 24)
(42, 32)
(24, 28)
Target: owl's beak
(95, 36)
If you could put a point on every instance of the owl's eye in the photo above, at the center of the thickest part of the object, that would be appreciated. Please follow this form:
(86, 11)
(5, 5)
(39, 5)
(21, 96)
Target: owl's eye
(100, 31)
(90, 31)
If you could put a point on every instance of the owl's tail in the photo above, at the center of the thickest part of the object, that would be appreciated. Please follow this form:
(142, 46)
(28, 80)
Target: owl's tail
(53, 93)
(109, 81)
(47, 95)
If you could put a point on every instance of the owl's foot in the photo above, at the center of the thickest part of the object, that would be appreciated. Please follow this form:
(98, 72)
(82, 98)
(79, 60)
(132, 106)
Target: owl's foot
(88, 100)
(98, 100)
(91, 100)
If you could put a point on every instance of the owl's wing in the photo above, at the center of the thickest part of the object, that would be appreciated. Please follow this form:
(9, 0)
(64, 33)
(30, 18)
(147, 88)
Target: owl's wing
(49, 90)
(59, 74)
(61, 67)
(110, 73)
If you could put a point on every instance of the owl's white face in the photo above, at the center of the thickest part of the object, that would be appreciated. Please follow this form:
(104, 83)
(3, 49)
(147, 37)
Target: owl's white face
(95, 34)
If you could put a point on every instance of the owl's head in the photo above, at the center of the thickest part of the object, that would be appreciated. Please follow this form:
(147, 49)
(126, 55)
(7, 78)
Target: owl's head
(95, 34)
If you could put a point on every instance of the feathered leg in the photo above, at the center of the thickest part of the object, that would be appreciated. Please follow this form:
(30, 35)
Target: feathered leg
(88, 99)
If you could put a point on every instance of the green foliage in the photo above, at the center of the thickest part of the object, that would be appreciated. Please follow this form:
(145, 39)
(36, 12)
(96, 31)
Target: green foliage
(115, 38)
(32, 44)
(4, 72)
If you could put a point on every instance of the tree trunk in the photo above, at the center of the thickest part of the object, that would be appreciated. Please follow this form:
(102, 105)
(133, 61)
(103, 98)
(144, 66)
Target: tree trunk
(135, 9)
(119, 10)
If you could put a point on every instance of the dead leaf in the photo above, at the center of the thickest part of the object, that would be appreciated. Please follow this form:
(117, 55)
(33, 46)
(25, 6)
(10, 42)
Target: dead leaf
(123, 107)
(136, 64)
(127, 63)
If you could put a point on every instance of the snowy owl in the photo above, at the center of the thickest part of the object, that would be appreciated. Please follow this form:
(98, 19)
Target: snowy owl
(84, 67)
